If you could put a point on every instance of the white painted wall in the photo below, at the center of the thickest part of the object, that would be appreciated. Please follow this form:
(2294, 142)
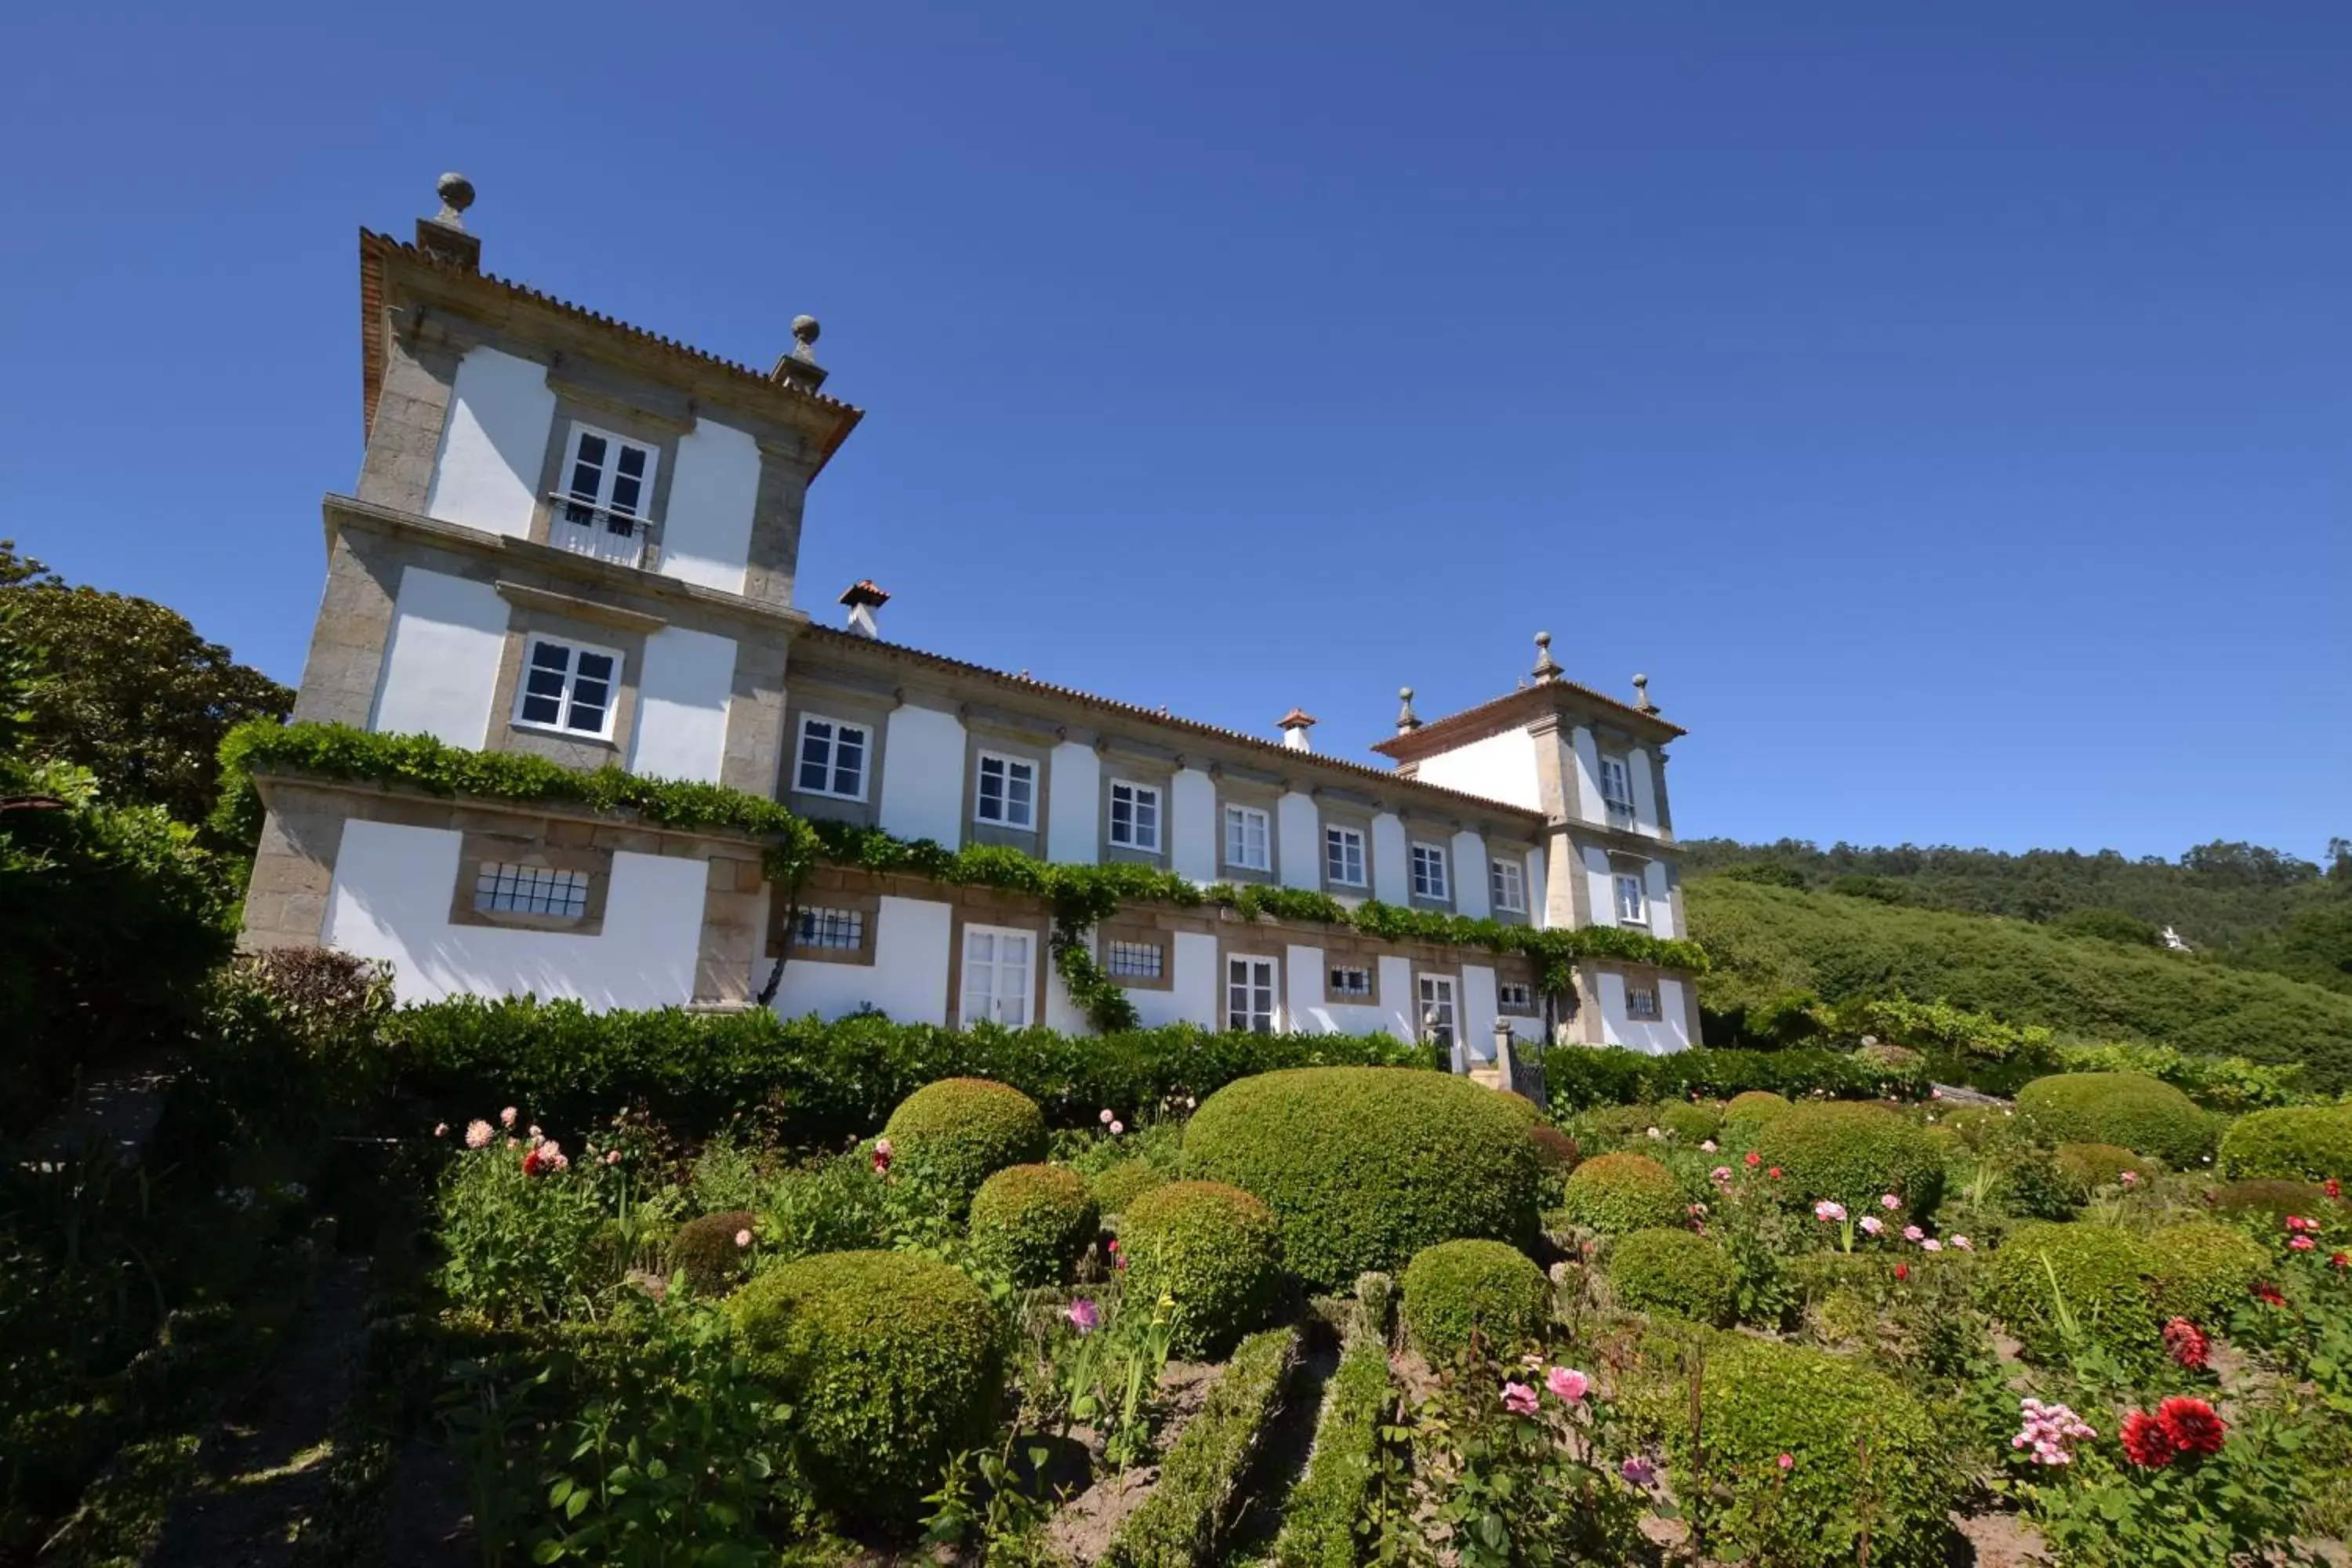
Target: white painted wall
(1539, 891)
(1194, 995)
(1474, 879)
(1601, 886)
(1302, 990)
(1298, 828)
(1073, 804)
(923, 775)
(1475, 1007)
(1658, 1037)
(441, 663)
(391, 898)
(1193, 829)
(1660, 898)
(682, 698)
(908, 979)
(1500, 767)
(1062, 1010)
(1392, 872)
(1586, 750)
(493, 445)
(1401, 1016)
(714, 485)
(1639, 763)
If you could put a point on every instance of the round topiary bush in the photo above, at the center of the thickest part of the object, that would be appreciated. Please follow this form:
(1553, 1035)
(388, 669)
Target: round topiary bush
(1365, 1166)
(1673, 1271)
(705, 1250)
(1745, 1114)
(2090, 1167)
(2200, 1269)
(1122, 1184)
(1614, 1193)
(1031, 1222)
(890, 1361)
(1612, 1125)
(1556, 1152)
(1214, 1250)
(1826, 1412)
(2293, 1142)
(2143, 1114)
(1687, 1123)
(2102, 1274)
(1852, 1155)
(1460, 1288)
(2267, 1200)
(961, 1130)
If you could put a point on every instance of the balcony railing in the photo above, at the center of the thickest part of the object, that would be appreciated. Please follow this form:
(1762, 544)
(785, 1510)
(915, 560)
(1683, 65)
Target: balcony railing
(619, 537)
(1620, 813)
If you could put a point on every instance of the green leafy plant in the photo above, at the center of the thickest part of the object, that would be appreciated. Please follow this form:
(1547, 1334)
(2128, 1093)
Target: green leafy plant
(2300, 1142)
(1030, 1223)
(1853, 1155)
(715, 1251)
(1673, 1271)
(1615, 1193)
(1461, 1294)
(2202, 1270)
(519, 1238)
(966, 1129)
(1214, 1250)
(2055, 1284)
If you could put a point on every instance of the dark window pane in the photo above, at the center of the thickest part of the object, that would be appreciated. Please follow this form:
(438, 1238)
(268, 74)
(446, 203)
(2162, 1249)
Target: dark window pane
(632, 463)
(550, 656)
(596, 667)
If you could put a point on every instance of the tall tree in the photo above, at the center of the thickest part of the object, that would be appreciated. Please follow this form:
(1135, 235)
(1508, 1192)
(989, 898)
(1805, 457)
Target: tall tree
(125, 687)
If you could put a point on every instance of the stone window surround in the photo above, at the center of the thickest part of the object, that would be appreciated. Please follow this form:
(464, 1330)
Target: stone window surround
(1356, 819)
(1637, 867)
(998, 913)
(1254, 796)
(1122, 766)
(478, 845)
(1425, 971)
(1140, 929)
(1515, 858)
(549, 617)
(869, 738)
(867, 904)
(983, 734)
(1254, 947)
(586, 399)
(806, 696)
(1535, 1001)
(573, 649)
(1444, 847)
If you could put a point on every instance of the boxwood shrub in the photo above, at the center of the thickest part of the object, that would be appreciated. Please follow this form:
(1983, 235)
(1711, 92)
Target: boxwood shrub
(1456, 1290)
(1745, 1116)
(2200, 1269)
(1852, 1155)
(1614, 1193)
(2294, 1142)
(1030, 1223)
(2143, 1114)
(1319, 1521)
(891, 1362)
(1214, 1249)
(2102, 1275)
(1673, 1271)
(1586, 1076)
(706, 1252)
(1688, 1124)
(961, 1131)
(2090, 1167)
(1365, 1166)
(1117, 1186)
(2268, 1201)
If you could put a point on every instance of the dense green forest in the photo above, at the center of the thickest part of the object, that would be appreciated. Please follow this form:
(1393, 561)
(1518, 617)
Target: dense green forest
(2240, 904)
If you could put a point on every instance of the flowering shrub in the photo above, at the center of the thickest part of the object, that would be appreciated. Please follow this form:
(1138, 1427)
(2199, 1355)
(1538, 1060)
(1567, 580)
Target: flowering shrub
(1458, 1292)
(715, 1252)
(965, 1128)
(2181, 1489)
(1613, 1194)
(2050, 1433)
(1214, 1250)
(518, 1230)
(1030, 1223)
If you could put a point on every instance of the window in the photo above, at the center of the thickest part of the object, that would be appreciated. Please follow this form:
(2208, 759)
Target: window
(1249, 840)
(1642, 1002)
(1438, 1009)
(1007, 794)
(1510, 888)
(608, 488)
(1351, 981)
(1513, 997)
(505, 889)
(997, 971)
(1249, 995)
(1343, 856)
(1616, 791)
(1132, 959)
(832, 758)
(1134, 816)
(1429, 872)
(567, 687)
(838, 930)
(1631, 909)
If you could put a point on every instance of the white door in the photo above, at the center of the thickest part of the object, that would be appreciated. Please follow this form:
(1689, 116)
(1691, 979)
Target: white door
(998, 968)
(1249, 995)
(1437, 1002)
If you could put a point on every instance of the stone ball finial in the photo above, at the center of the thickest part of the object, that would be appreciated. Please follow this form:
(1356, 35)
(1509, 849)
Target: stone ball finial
(1406, 719)
(457, 193)
(806, 330)
(1547, 668)
(1642, 694)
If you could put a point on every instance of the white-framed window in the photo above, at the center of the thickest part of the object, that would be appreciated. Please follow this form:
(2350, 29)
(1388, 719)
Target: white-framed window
(1429, 881)
(1352, 980)
(1512, 996)
(1617, 791)
(1249, 995)
(607, 488)
(1642, 1002)
(502, 889)
(1508, 885)
(832, 758)
(999, 966)
(1343, 856)
(1249, 838)
(1437, 1011)
(1632, 909)
(1134, 816)
(568, 686)
(836, 929)
(1007, 793)
(1132, 959)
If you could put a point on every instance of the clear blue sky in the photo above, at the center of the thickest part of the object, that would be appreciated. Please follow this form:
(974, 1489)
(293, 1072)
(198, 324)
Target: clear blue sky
(1950, 407)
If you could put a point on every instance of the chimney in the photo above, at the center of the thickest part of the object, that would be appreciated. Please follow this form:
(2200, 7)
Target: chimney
(442, 235)
(799, 368)
(1295, 725)
(863, 599)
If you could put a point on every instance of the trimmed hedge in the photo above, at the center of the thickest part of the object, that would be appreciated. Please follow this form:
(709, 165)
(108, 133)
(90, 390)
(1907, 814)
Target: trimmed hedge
(1184, 1519)
(892, 1362)
(2269, 1199)
(1675, 1271)
(2298, 1142)
(1852, 1155)
(1319, 1521)
(2143, 1114)
(1030, 1223)
(1745, 1114)
(2103, 1275)
(2201, 1271)
(1214, 1249)
(1578, 1077)
(965, 1130)
(2090, 1167)
(704, 1251)
(1613, 1194)
(1122, 1184)
(1460, 1288)
(1366, 1166)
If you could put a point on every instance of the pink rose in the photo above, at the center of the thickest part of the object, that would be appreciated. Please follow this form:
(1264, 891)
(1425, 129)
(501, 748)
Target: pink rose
(1085, 1316)
(1103, 1119)
(1117, 1127)
(1931, 1245)
(1567, 1384)
(1707, 1146)
(1913, 1233)
(478, 1134)
(1519, 1399)
(1964, 1243)
(441, 1129)
(1889, 1201)
(743, 1239)
(1870, 1226)
(507, 1118)
(1786, 1462)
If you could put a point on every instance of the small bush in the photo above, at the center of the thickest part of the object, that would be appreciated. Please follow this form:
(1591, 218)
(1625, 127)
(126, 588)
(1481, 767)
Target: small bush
(1556, 1152)
(2202, 1269)
(1688, 1124)
(2143, 1114)
(1186, 1519)
(891, 1362)
(963, 1130)
(1460, 1288)
(2101, 1276)
(2296, 1142)
(1122, 1184)
(1974, 1123)
(706, 1252)
(1214, 1249)
(2090, 1167)
(1746, 1115)
(1319, 1524)
(1585, 1077)
(1614, 1193)
(1030, 1223)
(1672, 1271)
(1852, 1155)
(2268, 1200)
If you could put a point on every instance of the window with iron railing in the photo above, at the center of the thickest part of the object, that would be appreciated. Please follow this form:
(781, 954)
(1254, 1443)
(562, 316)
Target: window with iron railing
(608, 491)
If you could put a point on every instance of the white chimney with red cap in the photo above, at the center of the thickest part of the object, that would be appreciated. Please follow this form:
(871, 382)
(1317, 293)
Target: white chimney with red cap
(1295, 725)
(863, 598)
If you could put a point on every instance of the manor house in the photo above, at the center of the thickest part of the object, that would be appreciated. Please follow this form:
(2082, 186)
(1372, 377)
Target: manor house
(576, 540)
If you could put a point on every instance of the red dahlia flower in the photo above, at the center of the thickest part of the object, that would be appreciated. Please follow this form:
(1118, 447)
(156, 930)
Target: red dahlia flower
(534, 1162)
(2145, 1441)
(2269, 1295)
(2191, 1424)
(2187, 1344)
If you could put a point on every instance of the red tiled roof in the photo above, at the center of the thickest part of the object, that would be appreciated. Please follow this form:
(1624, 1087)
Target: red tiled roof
(1428, 736)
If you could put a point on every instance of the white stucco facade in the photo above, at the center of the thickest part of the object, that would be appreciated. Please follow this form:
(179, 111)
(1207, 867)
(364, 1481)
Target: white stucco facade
(1300, 826)
(1391, 869)
(1193, 826)
(681, 729)
(485, 474)
(1474, 876)
(440, 668)
(922, 776)
(1074, 816)
(1656, 1037)
(714, 488)
(908, 979)
(1499, 767)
